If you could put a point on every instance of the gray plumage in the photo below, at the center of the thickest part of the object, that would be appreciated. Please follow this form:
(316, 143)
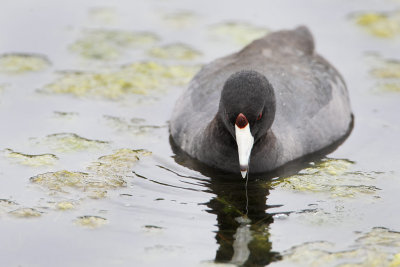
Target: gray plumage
(312, 105)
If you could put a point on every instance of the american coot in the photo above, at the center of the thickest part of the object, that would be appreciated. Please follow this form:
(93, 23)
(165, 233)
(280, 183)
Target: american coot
(273, 102)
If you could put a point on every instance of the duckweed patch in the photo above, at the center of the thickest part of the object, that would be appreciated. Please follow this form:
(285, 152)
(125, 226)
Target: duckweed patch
(380, 24)
(91, 221)
(21, 63)
(109, 172)
(65, 205)
(135, 126)
(25, 213)
(175, 51)
(31, 160)
(137, 78)
(388, 73)
(180, 19)
(65, 115)
(240, 33)
(379, 247)
(103, 15)
(104, 44)
(332, 176)
(70, 142)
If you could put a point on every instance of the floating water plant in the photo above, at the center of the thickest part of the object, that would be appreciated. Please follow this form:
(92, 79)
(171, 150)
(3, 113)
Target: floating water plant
(330, 176)
(31, 160)
(91, 221)
(240, 33)
(25, 213)
(103, 15)
(136, 78)
(70, 142)
(134, 126)
(65, 205)
(380, 24)
(180, 19)
(388, 73)
(21, 63)
(175, 51)
(108, 172)
(379, 247)
(110, 44)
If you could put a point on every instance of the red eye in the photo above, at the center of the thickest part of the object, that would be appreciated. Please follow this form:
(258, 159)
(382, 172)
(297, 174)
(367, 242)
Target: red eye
(259, 116)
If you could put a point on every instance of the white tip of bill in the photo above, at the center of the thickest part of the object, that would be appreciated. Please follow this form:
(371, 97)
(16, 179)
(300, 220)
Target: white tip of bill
(245, 142)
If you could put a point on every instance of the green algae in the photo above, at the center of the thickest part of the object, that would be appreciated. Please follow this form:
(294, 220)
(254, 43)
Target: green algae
(387, 71)
(65, 205)
(70, 142)
(31, 160)
(18, 63)
(137, 78)
(390, 87)
(176, 51)
(180, 19)
(379, 247)
(134, 126)
(103, 15)
(65, 115)
(91, 221)
(104, 44)
(25, 213)
(380, 24)
(240, 33)
(331, 176)
(108, 172)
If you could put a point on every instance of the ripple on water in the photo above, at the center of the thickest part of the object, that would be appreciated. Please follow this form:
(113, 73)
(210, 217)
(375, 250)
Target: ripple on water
(104, 44)
(379, 247)
(18, 63)
(137, 78)
(240, 33)
(380, 24)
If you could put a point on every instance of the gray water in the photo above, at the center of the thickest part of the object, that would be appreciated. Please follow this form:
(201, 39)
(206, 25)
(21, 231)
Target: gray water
(164, 209)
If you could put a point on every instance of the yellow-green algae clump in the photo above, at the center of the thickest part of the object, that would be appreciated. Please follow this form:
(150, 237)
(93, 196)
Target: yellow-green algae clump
(388, 73)
(180, 19)
(109, 172)
(380, 24)
(22, 63)
(65, 205)
(31, 160)
(134, 126)
(379, 247)
(241, 33)
(136, 78)
(176, 51)
(110, 44)
(26, 213)
(91, 221)
(103, 15)
(330, 176)
(70, 142)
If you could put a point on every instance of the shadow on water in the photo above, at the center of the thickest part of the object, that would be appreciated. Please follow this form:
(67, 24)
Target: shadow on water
(242, 213)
